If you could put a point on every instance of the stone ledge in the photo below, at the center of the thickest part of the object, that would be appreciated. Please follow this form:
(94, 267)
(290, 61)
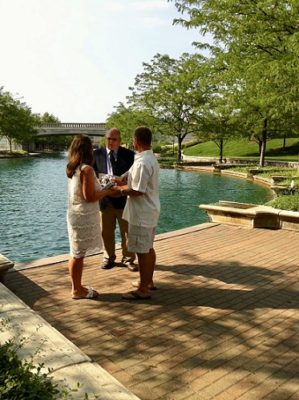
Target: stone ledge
(289, 220)
(48, 346)
(237, 174)
(225, 166)
(251, 215)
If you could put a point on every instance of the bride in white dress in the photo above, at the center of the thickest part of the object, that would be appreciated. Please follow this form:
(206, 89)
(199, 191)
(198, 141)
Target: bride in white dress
(83, 218)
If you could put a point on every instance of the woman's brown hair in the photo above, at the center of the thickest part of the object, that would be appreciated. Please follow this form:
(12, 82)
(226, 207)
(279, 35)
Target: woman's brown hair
(80, 152)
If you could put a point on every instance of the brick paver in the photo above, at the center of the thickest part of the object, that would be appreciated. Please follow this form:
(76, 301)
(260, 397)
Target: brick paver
(223, 324)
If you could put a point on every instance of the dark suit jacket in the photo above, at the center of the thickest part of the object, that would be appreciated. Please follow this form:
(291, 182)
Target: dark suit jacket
(125, 159)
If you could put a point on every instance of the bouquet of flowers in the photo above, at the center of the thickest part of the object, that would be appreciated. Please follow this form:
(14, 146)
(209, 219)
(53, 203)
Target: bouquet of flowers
(106, 181)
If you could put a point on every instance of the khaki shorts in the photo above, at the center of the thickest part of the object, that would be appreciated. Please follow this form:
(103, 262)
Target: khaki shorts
(140, 239)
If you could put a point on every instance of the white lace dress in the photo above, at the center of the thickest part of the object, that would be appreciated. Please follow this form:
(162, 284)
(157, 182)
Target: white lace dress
(83, 220)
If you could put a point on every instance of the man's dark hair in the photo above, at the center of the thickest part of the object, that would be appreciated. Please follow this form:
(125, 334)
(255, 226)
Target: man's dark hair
(143, 135)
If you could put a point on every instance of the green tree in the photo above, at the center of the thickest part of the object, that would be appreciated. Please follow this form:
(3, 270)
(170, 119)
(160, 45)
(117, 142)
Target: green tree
(258, 44)
(170, 91)
(47, 118)
(218, 120)
(17, 123)
(126, 119)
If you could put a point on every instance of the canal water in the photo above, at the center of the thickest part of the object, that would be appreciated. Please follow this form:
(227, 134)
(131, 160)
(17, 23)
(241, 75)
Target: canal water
(33, 200)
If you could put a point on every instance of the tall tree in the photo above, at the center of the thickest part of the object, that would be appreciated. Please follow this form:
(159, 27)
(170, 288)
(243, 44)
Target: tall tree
(47, 118)
(170, 90)
(218, 116)
(127, 118)
(17, 123)
(259, 41)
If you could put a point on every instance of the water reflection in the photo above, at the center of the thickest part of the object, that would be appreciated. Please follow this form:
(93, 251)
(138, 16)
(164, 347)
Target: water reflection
(182, 192)
(33, 199)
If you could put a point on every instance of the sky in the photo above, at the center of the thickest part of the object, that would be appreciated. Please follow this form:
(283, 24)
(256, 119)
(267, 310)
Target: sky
(77, 58)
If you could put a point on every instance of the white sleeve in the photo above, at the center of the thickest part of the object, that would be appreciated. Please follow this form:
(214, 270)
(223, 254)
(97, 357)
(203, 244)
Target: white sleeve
(139, 178)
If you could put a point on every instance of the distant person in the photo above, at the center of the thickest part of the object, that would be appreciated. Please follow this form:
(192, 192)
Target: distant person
(142, 211)
(114, 159)
(83, 218)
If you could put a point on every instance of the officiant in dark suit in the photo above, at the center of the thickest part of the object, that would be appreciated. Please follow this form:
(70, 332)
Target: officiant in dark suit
(114, 159)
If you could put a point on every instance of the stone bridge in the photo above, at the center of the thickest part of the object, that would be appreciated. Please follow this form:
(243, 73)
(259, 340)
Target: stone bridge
(71, 129)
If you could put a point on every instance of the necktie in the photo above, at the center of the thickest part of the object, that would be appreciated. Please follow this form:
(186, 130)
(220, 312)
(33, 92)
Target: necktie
(112, 160)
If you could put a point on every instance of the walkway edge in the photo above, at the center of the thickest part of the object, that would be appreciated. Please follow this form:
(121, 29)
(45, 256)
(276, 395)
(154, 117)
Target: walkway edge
(64, 257)
(48, 346)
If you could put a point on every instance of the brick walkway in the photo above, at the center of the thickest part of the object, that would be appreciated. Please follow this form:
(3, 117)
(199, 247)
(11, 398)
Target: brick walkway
(224, 323)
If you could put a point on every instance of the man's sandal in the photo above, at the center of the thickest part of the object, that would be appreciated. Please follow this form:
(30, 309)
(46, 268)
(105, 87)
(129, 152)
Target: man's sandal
(137, 283)
(133, 295)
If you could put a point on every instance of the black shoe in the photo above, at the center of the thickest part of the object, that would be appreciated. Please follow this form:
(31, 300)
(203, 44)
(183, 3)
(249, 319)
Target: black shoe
(107, 264)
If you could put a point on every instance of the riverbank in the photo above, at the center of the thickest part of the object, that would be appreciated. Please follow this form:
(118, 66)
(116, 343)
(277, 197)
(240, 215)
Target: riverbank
(281, 177)
(13, 154)
(7, 155)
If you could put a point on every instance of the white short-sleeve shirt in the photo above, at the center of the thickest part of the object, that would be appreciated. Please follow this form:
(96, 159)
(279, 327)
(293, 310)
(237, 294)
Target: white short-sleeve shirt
(143, 177)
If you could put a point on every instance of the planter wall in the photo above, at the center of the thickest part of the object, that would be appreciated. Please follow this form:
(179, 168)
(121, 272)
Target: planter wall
(251, 215)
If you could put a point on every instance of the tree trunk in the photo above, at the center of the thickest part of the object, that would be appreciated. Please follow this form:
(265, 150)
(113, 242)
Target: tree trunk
(260, 142)
(179, 153)
(221, 150)
(264, 143)
(284, 141)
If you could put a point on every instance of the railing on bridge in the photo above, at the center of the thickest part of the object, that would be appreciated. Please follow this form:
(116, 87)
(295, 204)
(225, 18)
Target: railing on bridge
(72, 128)
(71, 125)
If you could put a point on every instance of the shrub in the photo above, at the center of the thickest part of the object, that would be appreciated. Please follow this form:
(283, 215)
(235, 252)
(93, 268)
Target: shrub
(157, 148)
(287, 182)
(21, 380)
(285, 202)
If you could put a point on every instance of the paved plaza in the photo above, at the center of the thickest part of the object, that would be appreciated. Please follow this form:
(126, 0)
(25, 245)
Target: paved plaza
(223, 324)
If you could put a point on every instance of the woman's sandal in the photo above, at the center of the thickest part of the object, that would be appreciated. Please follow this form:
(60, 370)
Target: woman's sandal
(91, 294)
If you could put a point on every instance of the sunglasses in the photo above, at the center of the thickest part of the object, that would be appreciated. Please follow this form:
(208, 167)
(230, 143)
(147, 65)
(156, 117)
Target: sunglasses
(111, 138)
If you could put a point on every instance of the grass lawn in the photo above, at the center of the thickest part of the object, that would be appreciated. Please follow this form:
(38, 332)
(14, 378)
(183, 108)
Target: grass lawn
(248, 149)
